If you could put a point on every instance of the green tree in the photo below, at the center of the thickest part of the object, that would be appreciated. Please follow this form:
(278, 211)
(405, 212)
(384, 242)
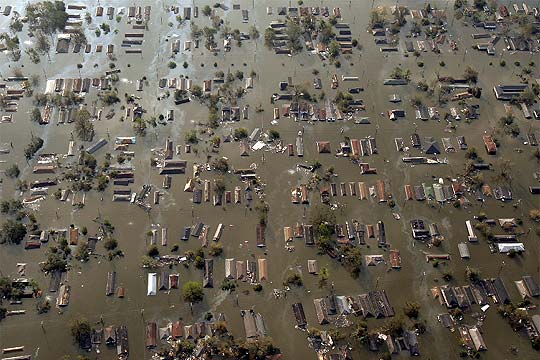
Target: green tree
(534, 215)
(80, 329)
(240, 133)
(12, 232)
(273, 134)
(324, 274)
(13, 171)
(153, 251)
(411, 309)
(333, 49)
(192, 292)
(47, 16)
(471, 75)
(196, 90)
(206, 10)
(269, 36)
(84, 128)
(110, 244)
(215, 249)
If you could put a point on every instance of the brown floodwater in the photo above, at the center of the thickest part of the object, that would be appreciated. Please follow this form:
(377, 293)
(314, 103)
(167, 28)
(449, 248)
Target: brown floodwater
(278, 172)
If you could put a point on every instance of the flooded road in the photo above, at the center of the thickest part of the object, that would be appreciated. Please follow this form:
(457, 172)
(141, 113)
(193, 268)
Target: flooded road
(47, 336)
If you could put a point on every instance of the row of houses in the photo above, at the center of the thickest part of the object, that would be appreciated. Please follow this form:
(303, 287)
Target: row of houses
(246, 270)
(76, 85)
(436, 191)
(313, 112)
(365, 191)
(111, 336)
(198, 229)
(64, 44)
(294, 11)
(481, 293)
(165, 282)
(178, 330)
(218, 198)
(373, 304)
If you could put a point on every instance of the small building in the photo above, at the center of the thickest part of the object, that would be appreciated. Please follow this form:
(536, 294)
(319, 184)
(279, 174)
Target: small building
(312, 267)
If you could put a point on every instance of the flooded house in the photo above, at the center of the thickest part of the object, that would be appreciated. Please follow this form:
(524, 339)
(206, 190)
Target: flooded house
(241, 270)
(64, 294)
(208, 276)
(321, 311)
(489, 144)
(260, 235)
(309, 236)
(151, 335)
(323, 147)
(312, 267)
(111, 283)
(152, 284)
(299, 315)
(395, 259)
(381, 237)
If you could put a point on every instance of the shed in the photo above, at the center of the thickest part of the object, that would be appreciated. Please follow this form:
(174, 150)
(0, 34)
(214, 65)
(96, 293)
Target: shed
(312, 267)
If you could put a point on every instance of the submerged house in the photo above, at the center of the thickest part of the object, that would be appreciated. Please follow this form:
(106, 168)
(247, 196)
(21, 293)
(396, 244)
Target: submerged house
(151, 335)
(208, 276)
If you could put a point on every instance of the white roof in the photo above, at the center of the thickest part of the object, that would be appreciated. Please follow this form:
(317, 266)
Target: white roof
(152, 284)
(506, 247)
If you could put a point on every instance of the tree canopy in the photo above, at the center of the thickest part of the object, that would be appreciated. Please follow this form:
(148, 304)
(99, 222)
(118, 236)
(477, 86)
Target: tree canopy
(83, 126)
(47, 16)
(12, 232)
